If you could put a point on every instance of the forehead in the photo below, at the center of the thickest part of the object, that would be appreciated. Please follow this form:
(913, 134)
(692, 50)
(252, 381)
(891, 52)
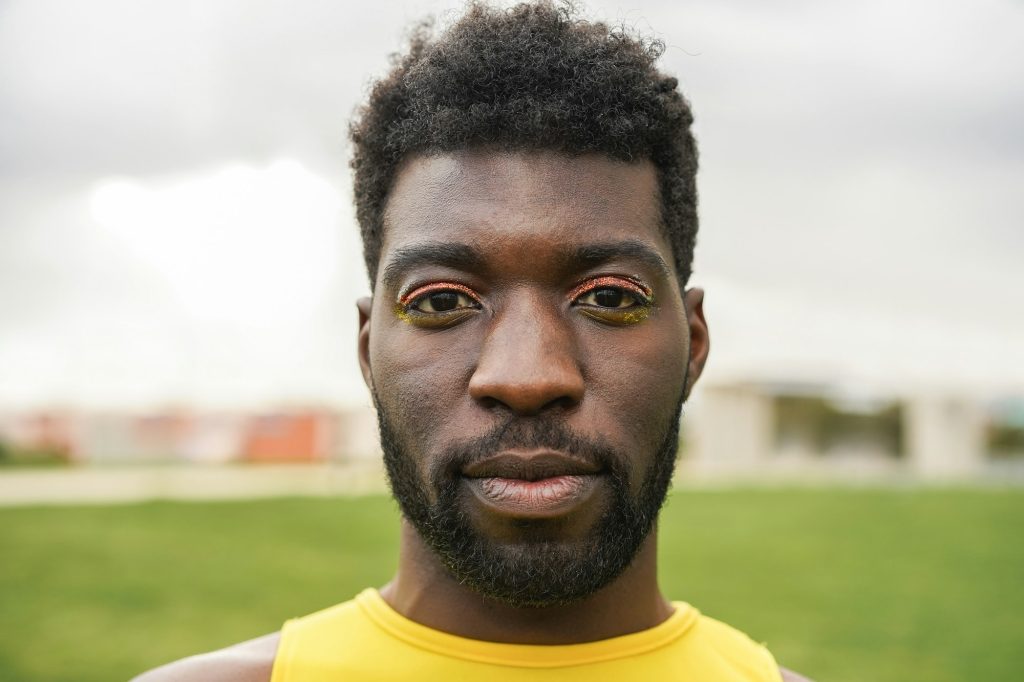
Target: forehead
(514, 204)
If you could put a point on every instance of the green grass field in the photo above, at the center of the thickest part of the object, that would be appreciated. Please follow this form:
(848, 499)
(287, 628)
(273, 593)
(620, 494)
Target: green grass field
(844, 585)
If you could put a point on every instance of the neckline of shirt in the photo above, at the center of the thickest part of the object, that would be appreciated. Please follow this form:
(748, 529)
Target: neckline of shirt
(525, 655)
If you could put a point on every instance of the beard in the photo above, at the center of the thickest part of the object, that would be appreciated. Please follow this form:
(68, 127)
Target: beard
(538, 572)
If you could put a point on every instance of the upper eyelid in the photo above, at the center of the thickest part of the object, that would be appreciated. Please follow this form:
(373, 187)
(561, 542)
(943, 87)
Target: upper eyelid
(415, 292)
(605, 281)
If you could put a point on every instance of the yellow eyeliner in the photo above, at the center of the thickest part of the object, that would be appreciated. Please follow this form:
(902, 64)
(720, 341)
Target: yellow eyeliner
(402, 313)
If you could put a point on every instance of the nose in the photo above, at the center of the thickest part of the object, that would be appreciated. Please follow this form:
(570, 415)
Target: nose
(528, 362)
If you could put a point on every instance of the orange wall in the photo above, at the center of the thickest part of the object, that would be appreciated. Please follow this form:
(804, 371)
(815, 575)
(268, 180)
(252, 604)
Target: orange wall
(291, 438)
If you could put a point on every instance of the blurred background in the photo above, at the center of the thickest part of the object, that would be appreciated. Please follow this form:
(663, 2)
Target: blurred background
(179, 261)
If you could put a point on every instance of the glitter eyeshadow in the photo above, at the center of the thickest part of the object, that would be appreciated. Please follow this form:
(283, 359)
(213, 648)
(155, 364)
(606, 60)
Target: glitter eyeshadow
(612, 281)
(406, 299)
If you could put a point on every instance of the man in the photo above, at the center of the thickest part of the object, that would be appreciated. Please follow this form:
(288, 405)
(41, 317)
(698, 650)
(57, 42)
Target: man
(525, 186)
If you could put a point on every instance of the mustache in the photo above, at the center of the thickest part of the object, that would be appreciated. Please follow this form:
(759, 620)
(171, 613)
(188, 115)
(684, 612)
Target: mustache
(536, 433)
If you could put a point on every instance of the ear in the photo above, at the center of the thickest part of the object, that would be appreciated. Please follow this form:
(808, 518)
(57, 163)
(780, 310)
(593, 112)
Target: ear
(365, 307)
(700, 343)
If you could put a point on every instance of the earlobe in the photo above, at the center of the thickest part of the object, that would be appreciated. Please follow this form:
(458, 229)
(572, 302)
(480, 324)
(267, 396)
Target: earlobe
(700, 342)
(365, 307)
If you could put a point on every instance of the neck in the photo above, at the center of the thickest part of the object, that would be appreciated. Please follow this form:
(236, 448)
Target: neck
(425, 592)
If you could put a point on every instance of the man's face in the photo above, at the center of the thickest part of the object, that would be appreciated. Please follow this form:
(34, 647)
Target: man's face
(528, 350)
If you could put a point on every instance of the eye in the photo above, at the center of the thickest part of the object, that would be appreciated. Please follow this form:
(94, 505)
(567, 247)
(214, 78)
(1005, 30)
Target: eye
(613, 299)
(608, 297)
(437, 304)
(442, 302)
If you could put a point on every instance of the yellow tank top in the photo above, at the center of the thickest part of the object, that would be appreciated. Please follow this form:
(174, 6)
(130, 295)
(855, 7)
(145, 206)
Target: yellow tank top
(366, 640)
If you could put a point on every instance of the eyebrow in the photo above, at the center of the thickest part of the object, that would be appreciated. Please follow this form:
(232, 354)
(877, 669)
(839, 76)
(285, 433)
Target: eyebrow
(447, 254)
(592, 255)
(465, 257)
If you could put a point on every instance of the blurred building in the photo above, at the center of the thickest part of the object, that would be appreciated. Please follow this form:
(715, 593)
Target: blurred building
(45, 435)
(744, 430)
(295, 436)
(774, 429)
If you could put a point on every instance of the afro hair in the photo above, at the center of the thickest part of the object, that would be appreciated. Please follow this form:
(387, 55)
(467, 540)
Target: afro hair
(533, 77)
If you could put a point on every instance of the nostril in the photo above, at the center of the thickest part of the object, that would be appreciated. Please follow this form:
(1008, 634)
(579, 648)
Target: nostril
(489, 403)
(527, 401)
(563, 403)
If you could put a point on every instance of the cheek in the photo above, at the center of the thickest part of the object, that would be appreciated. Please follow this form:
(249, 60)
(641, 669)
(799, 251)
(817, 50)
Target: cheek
(636, 380)
(420, 381)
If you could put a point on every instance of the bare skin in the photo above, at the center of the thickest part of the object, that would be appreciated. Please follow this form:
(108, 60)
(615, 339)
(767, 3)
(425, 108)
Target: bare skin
(523, 215)
(519, 348)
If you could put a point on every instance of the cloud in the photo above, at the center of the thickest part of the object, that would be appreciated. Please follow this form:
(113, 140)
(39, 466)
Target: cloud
(860, 159)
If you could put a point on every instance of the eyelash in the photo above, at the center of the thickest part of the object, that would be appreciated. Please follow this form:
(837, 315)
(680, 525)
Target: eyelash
(638, 291)
(405, 308)
(436, 287)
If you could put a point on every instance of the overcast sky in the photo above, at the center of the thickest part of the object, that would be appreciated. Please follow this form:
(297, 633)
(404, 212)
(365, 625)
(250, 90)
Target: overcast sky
(175, 221)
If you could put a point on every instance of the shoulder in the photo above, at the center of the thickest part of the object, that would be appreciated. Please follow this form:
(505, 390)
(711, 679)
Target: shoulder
(249, 661)
(736, 645)
(790, 676)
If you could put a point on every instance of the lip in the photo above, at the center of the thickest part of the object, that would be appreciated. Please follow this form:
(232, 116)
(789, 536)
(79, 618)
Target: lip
(537, 484)
(530, 466)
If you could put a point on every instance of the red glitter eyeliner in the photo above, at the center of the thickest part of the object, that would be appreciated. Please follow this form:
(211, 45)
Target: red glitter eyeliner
(613, 282)
(408, 298)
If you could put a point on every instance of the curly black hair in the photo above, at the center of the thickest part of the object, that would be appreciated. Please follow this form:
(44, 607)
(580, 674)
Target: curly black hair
(533, 77)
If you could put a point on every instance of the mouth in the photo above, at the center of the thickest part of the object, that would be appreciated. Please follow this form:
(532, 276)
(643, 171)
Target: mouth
(535, 484)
